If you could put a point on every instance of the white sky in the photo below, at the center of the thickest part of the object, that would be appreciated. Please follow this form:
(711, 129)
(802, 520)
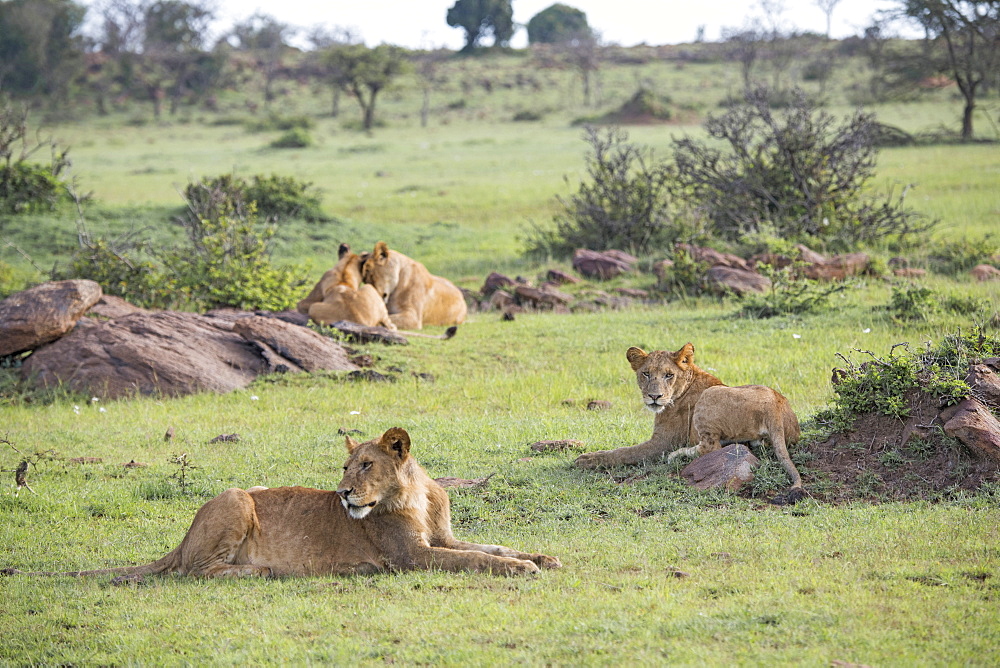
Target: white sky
(421, 23)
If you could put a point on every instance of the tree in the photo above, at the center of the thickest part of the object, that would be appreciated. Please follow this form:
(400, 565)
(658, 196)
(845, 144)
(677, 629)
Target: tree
(827, 7)
(40, 49)
(557, 23)
(174, 32)
(963, 39)
(479, 18)
(365, 72)
(266, 38)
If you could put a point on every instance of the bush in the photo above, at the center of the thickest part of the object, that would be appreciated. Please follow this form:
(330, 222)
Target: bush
(226, 262)
(624, 204)
(797, 174)
(884, 385)
(788, 295)
(27, 187)
(275, 197)
(294, 138)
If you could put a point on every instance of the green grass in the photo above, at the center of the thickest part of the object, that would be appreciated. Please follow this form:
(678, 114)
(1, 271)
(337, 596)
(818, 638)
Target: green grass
(880, 584)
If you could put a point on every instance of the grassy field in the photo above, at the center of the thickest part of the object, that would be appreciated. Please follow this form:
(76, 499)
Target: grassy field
(865, 582)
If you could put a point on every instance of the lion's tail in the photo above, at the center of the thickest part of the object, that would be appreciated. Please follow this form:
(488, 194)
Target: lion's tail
(448, 333)
(164, 564)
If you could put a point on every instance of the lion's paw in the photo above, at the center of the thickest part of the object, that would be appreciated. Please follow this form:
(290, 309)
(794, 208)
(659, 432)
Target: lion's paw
(519, 567)
(591, 460)
(545, 561)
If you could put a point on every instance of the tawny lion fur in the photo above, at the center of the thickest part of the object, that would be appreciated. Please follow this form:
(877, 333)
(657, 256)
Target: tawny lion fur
(340, 295)
(697, 413)
(414, 296)
(386, 515)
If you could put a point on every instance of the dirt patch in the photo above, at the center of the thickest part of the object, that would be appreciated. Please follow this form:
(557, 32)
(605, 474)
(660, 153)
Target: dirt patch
(884, 458)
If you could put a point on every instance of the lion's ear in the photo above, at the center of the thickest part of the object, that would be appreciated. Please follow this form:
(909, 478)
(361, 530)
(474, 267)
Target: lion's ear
(685, 356)
(343, 250)
(350, 444)
(396, 442)
(381, 252)
(636, 357)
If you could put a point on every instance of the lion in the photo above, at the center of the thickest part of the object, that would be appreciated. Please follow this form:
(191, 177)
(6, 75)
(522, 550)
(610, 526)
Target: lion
(386, 515)
(340, 295)
(413, 295)
(694, 408)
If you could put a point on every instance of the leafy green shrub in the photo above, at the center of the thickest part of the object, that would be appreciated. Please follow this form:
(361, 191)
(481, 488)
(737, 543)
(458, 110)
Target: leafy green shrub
(229, 264)
(788, 295)
(275, 197)
(885, 385)
(294, 138)
(526, 115)
(226, 262)
(623, 204)
(912, 302)
(27, 187)
(277, 122)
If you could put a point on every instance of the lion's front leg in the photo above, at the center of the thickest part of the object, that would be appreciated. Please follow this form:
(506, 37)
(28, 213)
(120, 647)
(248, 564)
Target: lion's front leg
(447, 559)
(633, 454)
(542, 560)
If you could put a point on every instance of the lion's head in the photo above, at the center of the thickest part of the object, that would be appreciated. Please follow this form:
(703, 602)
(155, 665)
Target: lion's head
(662, 375)
(381, 270)
(377, 473)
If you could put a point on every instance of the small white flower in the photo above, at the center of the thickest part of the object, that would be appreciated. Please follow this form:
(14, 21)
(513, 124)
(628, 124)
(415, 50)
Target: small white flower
(103, 409)
(866, 330)
(76, 409)
(355, 412)
(796, 336)
(94, 400)
(254, 397)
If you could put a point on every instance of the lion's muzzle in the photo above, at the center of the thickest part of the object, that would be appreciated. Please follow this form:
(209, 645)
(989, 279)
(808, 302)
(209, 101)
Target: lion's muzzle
(355, 510)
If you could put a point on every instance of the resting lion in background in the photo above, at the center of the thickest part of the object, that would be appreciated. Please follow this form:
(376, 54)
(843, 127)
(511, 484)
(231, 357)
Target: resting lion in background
(386, 515)
(340, 295)
(414, 296)
(697, 413)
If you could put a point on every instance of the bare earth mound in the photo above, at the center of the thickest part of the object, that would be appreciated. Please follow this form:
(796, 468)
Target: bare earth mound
(884, 458)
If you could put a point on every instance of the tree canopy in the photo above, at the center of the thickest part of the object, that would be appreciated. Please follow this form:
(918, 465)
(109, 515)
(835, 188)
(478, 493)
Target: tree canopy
(557, 23)
(963, 41)
(480, 18)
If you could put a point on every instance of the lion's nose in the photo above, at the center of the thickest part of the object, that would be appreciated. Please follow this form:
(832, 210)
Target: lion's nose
(655, 397)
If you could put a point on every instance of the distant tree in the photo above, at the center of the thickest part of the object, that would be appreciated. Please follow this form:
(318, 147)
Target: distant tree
(827, 7)
(175, 32)
(40, 47)
(583, 53)
(745, 45)
(479, 18)
(963, 39)
(557, 23)
(266, 38)
(319, 63)
(365, 72)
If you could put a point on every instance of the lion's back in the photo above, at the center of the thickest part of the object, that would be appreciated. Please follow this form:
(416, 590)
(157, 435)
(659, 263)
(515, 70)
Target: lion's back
(745, 412)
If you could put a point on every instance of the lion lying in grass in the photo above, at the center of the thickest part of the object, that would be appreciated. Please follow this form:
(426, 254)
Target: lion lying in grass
(340, 295)
(386, 515)
(413, 295)
(694, 407)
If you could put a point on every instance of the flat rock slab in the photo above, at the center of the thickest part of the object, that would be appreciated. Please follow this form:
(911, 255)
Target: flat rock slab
(365, 334)
(730, 467)
(172, 353)
(39, 315)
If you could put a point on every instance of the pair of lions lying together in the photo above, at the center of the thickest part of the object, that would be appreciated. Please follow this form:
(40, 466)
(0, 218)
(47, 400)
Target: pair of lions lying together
(383, 288)
(388, 514)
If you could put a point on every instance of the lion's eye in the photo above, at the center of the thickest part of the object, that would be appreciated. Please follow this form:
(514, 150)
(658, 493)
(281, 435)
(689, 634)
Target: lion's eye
(668, 376)
(365, 466)
(645, 374)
